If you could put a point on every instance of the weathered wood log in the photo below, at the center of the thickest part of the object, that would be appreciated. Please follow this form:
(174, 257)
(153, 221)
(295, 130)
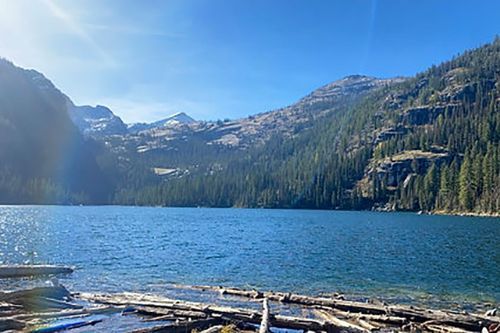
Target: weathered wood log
(297, 299)
(438, 327)
(339, 322)
(237, 314)
(182, 327)
(213, 329)
(168, 317)
(362, 320)
(5, 306)
(392, 320)
(155, 311)
(264, 325)
(367, 325)
(414, 314)
(10, 271)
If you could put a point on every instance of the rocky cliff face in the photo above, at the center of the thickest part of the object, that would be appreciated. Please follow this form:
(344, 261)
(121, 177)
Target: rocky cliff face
(96, 121)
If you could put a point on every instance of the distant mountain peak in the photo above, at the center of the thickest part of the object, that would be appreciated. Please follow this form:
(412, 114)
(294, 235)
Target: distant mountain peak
(179, 117)
(174, 120)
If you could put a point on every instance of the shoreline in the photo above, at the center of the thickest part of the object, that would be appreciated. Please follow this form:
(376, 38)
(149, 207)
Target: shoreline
(206, 307)
(435, 212)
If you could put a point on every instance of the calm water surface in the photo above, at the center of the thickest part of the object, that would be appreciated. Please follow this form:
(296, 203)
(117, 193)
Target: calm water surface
(361, 253)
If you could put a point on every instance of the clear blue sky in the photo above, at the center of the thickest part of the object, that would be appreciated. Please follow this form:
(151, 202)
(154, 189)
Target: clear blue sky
(228, 59)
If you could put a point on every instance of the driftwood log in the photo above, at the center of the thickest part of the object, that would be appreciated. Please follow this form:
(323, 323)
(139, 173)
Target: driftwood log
(182, 327)
(229, 313)
(10, 271)
(264, 324)
(27, 309)
(390, 314)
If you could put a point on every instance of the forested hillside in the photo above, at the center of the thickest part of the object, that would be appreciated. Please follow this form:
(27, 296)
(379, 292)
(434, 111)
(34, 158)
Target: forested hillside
(43, 157)
(428, 143)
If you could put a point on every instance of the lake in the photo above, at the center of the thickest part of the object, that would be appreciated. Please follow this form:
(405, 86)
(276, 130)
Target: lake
(398, 256)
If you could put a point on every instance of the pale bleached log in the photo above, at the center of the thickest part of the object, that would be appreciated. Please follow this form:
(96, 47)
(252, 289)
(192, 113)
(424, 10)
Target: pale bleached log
(297, 299)
(10, 271)
(155, 311)
(413, 314)
(213, 329)
(443, 328)
(264, 325)
(366, 324)
(391, 320)
(339, 322)
(237, 314)
(182, 327)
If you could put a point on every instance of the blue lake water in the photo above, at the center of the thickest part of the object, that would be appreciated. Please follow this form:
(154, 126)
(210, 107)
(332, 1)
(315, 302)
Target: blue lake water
(393, 255)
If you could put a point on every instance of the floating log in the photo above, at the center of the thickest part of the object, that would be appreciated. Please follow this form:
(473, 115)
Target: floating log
(264, 325)
(10, 271)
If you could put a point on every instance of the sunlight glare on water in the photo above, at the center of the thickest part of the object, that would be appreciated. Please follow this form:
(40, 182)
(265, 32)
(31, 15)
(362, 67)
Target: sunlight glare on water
(132, 248)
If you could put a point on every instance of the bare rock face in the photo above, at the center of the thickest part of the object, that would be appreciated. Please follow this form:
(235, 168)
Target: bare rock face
(96, 121)
(398, 169)
(426, 114)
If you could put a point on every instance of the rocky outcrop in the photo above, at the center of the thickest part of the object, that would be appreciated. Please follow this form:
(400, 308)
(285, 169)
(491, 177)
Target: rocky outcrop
(96, 121)
(398, 169)
(426, 114)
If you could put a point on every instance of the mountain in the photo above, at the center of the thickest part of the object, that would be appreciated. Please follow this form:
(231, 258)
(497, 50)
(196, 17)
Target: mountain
(44, 159)
(254, 130)
(425, 143)
(175, 120)
(429, 142)
(96, 121)
(292, 119)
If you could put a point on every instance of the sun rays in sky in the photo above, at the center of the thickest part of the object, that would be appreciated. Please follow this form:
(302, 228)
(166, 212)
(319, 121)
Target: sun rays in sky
(228, 59)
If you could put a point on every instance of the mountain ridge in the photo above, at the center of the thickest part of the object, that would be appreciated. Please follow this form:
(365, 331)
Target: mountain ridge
(423, 143)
